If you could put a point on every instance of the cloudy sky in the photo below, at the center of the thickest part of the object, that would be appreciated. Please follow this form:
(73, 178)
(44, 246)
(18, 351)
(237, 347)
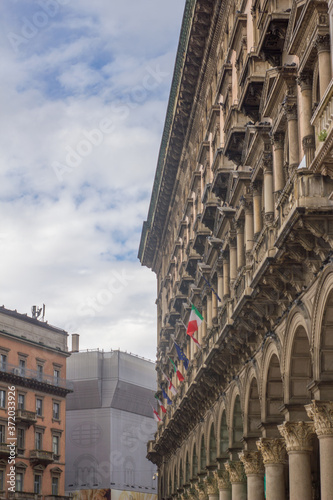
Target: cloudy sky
(83, 95)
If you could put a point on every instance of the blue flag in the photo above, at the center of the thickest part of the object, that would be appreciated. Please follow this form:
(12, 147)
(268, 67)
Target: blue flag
(182, 356)
(166, 396)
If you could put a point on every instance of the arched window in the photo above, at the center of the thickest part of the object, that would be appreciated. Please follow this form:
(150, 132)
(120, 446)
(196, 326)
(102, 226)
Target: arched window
(203, 454)
(212, 446)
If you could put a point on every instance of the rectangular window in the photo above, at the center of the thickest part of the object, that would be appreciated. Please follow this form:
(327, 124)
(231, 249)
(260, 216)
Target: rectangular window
(39, 372)
(20, 402)
(56, 411)
(20, 439)
(2, 399)
(19, 481)
(38, 440)
(2, 484)
(3, 361)
(56, 375)
(39, 407)
(22, 367)
(2, 434)
(55, 444)
(55, 485)
(37, 484)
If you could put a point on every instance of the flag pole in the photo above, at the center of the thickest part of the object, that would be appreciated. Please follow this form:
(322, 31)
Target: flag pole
(210, 286)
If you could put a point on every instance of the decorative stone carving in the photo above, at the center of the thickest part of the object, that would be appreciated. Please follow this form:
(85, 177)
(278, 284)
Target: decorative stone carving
(277, 141)
(298, 435)
(290, 110)
(321, 412)
(202, 491)
(211, 485)
(273, 450)
(252, 461)
(305, 80)
(322, 43)
(236, 471)
(223, 479)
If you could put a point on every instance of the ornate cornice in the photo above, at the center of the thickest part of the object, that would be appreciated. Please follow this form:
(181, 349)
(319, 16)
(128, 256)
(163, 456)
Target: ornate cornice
(298, 435)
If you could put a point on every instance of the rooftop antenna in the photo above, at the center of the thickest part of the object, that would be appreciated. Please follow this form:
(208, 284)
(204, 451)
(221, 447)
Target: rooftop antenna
(36, 311)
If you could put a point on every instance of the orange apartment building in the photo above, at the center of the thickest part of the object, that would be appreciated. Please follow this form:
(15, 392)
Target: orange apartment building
(33, 389)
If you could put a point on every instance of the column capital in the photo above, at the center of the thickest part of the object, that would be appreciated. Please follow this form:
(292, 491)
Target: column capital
(304, 80)
(211, 485)
(247, 203)
(290, 109)
(267, 162)
(277, 141)
(321, 412)
(223, 479)
(298, 435)
(236, 471)
(202, 490)
(273, 450)
(252, 461)
(322, 43)
(239, 225)
(256, 188)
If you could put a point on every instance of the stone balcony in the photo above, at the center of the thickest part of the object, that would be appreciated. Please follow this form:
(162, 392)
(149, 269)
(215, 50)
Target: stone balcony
(41, 457)
(251, 84)
(272, 24)
(25, 417)
(322, 121)
(4, 450)
(234, 134)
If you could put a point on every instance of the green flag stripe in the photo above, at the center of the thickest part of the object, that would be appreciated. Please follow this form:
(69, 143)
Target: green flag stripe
(197, 312)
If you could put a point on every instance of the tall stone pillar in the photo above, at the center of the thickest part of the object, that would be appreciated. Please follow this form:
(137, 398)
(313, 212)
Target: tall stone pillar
(223, 483)
(209, 310)
(278, 174)
(256, 189)
(237, 479)
(274, 457)
(255, 472)
(321, 412)
(290, 109)
(268, 188)
(233, 259)
(324, 62)
(214, 304)
(212, 488)
(240, 244)
(249, 229)
(226, 283)
(308, 140)
(298, 437)
(220, 292)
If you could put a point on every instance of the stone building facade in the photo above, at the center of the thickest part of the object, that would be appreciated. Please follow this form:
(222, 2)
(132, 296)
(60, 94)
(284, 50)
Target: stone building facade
(243, 200)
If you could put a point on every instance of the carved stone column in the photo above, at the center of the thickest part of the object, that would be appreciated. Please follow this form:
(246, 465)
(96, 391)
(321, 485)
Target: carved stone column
(308, 141)
(237, 479)
(214, 304)
(278, 148)
(274, 457)
(226, 285)
(220, 292)
(233, 258)
(256, 189)
(298, 437)
(324, 62)
(240, 244)
(290, 109)
(255, 471)
(223, 483)
(321, 412)
(209, 310)
(249, 230)
(268, 187)
(212, 489)
(202, 491)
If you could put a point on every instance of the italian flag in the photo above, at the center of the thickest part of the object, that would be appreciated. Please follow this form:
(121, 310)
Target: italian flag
(194, 322)
(156, 416)
(171, 387)
(160, 403)
(177, 372)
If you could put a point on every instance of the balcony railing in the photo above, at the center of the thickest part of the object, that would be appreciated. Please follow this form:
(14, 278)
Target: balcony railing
(26, 416)
(35, 375)
(41, 456)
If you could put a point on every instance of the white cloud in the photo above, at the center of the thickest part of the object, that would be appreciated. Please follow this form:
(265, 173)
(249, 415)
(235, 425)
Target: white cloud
(63, 239)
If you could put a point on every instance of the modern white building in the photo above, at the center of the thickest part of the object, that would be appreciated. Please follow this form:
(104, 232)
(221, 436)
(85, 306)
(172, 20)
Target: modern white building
(109, 421)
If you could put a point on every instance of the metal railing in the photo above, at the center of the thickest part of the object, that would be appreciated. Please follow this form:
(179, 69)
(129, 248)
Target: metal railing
(27, 373)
